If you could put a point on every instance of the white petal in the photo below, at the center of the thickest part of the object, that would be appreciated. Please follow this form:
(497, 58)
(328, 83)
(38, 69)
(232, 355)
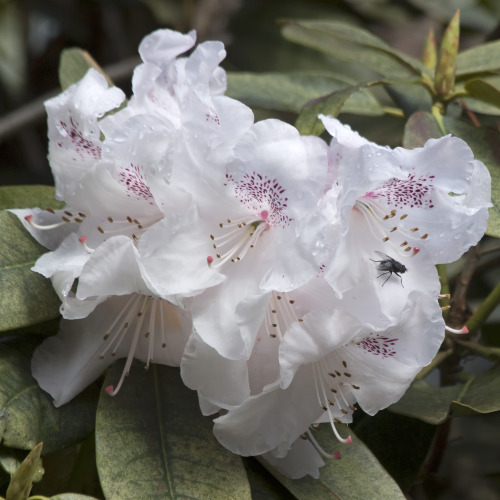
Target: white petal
(301, 460)
(112, 269)
(271, 420)
(164, 45)
(222, 382)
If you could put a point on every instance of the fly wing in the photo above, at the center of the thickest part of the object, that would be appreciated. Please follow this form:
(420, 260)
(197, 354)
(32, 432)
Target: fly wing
(383, 256)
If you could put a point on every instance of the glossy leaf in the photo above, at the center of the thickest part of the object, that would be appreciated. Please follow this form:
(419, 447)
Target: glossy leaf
(27, 413)
(291, 91)
(427, 403)
(26, 297)
(152, 442)
(485, 143)
(349, 478)
(352, 44)
(308, 122)
(484, 91)
(434, 405)
(28, 197)
(73, 65)
(483, 58)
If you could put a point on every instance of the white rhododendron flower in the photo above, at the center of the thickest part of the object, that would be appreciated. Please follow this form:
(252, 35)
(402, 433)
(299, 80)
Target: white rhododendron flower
(130, 326)
(329, 362)
(402, 202)
(242, 233)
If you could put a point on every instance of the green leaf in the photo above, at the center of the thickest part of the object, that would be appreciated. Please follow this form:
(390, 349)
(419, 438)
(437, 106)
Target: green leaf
(419, 128)
(354, 45)
(27, 413)
(434, 405)
(26, 297)
(485, 143)
(478, 60)
(428, 404)
(73, 65)
(22, 480)
(483, 91)
(291, 91)
(152, 442)
(28, 197)
(308, 122)
(349, 478)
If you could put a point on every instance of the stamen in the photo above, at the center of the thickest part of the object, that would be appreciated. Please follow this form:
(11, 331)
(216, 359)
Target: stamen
(444, 296)
(462, 330)
(83, 241)
(29, 220)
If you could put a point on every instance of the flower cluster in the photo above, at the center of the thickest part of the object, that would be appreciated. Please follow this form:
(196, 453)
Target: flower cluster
(290, 279)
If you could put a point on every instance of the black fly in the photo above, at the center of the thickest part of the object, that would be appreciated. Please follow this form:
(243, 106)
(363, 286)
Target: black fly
(389, 266)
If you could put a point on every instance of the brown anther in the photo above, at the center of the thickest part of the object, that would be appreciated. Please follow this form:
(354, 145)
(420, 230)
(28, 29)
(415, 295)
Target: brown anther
(331, 403)
(81, 214)
(110, 219)
(353, 408)
(65, 219)
(345, 412)
(403, 216)
(129, 219)
(221, 225)
(125, 325)
(385, 239)
(214, 245)
(332, 374)
(344, 364)
(217, 255)
(99, 228)
(50, 210)
(386, 217)
(300, 320)
(324, 407)
(337, 420)
(347, 374)
(69, 214)
(78, 220)
(394, 229)
(292, 301)
(355, 386)
(403, 244)
(424, 236)
(134, 237)
(146, 335)
(445, 308)
(229, 221)
(338, 373)
(273, 311)
(407, 249)
(274, 325)
(333, 390)
(272, 335)
(413, 229)
(278, 297)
